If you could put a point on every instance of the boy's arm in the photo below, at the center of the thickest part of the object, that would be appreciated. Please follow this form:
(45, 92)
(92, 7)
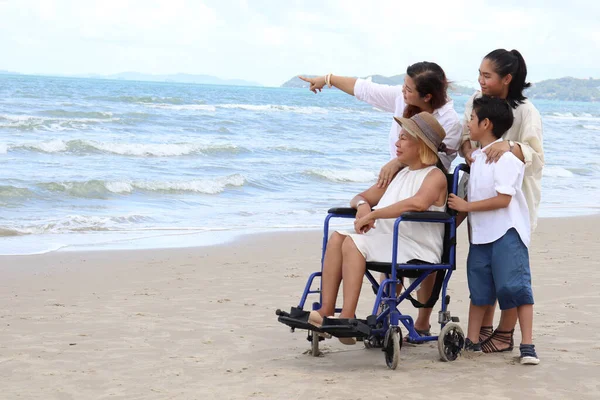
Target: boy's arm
(508, 176)
(493, 203)
(460, 217)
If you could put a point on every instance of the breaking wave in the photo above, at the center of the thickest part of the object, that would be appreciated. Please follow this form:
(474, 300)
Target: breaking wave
(126, 149)
(343, 175)
(77, 223)
(102, 189)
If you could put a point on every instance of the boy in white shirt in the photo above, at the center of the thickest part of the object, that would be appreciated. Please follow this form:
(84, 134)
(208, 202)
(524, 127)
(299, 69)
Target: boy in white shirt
(498, 261)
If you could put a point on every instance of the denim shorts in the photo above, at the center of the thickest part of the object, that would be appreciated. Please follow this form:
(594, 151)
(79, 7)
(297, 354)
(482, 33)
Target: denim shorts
(500, 270)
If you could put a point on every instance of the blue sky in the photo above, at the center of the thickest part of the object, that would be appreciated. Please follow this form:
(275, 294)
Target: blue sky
(270, 41)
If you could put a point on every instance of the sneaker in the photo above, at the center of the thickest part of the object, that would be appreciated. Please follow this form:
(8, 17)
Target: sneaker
(528, 355)
(472, 347)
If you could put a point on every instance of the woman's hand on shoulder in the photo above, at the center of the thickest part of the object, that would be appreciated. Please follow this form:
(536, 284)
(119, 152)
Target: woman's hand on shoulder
(387, 173)
(469, 156)
(495, 151)
(316, 83)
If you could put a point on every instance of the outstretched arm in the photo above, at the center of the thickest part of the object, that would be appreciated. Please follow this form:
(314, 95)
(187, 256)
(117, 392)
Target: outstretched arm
(381, 96)
(344, 83)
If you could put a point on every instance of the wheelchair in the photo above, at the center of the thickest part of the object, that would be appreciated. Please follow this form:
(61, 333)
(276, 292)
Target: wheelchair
(382, 328)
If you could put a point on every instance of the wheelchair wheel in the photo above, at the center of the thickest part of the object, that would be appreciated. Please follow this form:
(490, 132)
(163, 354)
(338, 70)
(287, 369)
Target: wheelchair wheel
(451, 341)
(314, 344)
(391, 346)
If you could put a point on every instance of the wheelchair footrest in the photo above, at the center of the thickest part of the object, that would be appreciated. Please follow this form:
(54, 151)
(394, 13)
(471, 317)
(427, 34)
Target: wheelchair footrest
(346, 327)
(297, 318)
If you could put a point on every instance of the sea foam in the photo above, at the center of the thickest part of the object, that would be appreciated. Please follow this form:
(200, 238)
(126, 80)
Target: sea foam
(126, 149)
(343, 175)
(103, 189)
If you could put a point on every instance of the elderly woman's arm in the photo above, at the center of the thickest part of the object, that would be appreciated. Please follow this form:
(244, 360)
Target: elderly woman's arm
(372, 196)
(363, 202)
(433, 187)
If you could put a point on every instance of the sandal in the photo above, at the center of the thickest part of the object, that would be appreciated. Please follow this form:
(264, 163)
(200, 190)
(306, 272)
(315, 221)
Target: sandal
(504, 337)
(314, 318)
(347, 340)
(331, 322)
(297, 318)
(423, 332)
(485, 332)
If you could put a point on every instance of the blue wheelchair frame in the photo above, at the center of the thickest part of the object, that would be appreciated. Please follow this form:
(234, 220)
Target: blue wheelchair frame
(391, 316)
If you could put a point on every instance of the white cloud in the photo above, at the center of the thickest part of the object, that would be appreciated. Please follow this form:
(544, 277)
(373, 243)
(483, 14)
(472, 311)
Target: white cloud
(269, 41)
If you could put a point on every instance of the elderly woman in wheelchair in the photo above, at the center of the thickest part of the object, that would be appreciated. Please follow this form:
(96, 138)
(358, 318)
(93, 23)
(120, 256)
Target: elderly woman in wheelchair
(420, 186)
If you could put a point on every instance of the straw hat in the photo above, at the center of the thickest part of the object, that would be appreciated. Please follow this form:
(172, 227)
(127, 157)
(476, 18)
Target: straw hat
(424, 126)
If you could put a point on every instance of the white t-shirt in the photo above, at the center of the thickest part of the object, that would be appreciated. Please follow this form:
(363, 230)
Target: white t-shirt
(390, 98)
(486, 181)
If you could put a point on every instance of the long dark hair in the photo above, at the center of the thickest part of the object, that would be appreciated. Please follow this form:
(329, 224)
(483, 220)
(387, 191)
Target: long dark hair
(429, 78)
(511, 62)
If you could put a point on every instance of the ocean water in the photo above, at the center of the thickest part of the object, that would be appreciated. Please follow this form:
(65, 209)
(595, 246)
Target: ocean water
(118, 164)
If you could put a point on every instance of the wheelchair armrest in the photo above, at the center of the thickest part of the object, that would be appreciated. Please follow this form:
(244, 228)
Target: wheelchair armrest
(342, 211)
(437, 216)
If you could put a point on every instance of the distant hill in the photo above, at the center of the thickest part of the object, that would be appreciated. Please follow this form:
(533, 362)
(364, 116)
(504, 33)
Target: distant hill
(137, 76)
(183, 78)
(386, 80)
(572, 89)
(568, 89)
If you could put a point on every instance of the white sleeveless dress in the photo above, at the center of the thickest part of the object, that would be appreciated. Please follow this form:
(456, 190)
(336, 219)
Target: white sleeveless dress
(416, 240)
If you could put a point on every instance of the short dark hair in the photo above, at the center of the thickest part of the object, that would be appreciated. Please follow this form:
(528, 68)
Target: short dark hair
(511, 62)
(498, 111)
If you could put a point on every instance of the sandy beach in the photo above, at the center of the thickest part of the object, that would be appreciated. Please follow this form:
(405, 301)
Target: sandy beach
(199, 323)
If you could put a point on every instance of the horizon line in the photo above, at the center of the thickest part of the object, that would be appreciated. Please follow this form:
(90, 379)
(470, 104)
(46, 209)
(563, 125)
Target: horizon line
(93, 75)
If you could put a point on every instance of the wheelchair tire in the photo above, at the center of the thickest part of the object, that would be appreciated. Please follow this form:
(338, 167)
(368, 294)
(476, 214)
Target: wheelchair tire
(314, 344)
(391, 346)
(451, 341)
